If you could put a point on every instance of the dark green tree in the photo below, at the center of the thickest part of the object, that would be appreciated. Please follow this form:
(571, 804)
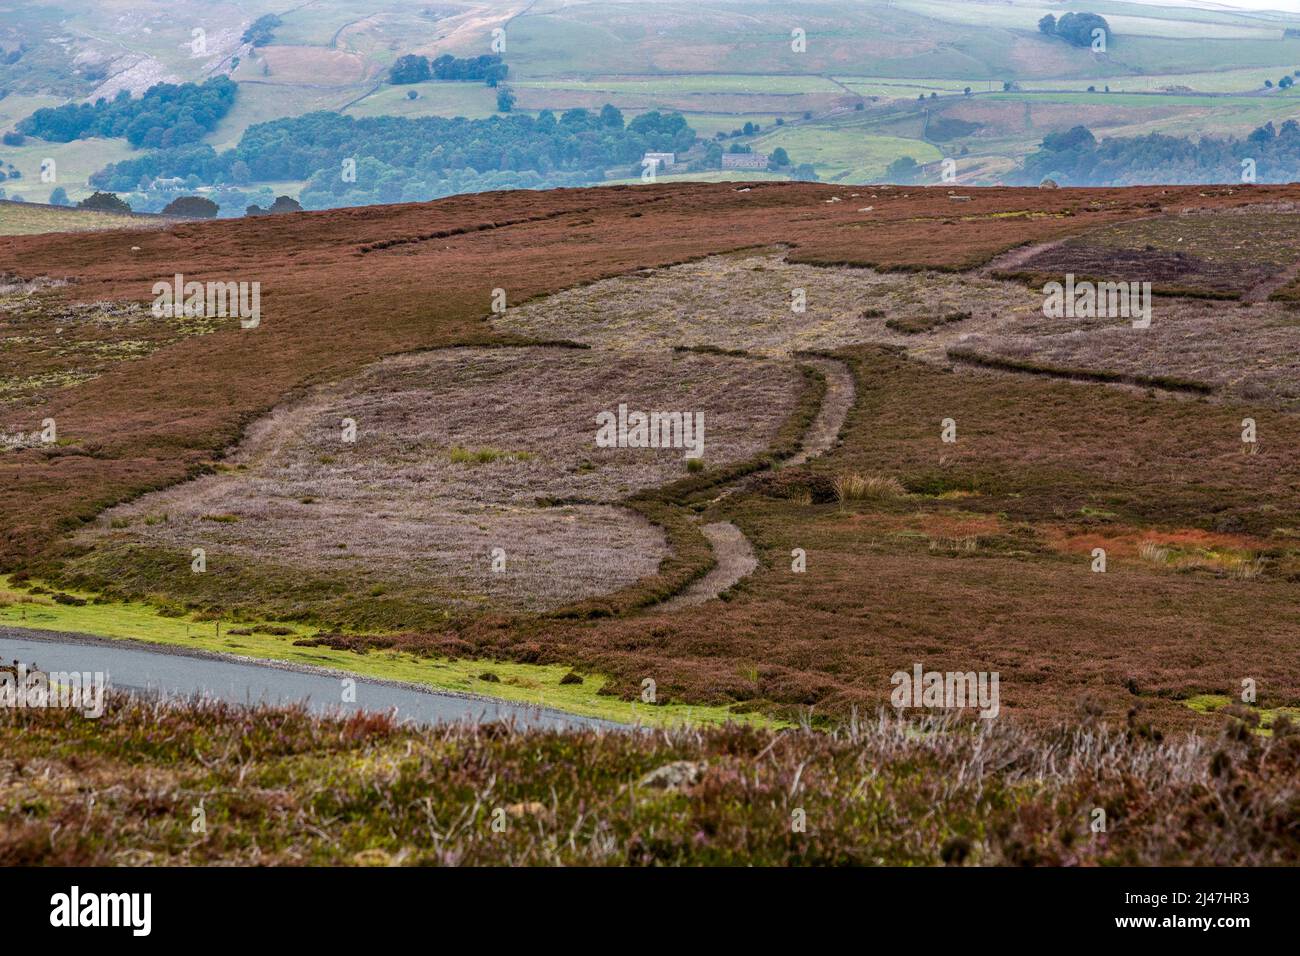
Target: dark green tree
(104, 202)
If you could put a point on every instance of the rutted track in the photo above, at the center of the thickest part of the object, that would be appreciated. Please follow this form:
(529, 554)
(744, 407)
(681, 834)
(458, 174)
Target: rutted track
(735, 561)
(734, 554)
(825, 429)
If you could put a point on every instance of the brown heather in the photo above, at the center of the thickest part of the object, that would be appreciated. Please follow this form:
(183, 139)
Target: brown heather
(981, 565)
(279, 787)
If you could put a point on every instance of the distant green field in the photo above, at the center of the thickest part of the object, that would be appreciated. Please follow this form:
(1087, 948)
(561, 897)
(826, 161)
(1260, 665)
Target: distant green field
(17, 106)
(25, 219)
(73, 164)
(695, 83)
(1159, 55)
(893, 88)
(1220, 81)
(436, 98)
(1139, 100)
(709, 124)
(844, 153)
(263, 102)
(1025, 16)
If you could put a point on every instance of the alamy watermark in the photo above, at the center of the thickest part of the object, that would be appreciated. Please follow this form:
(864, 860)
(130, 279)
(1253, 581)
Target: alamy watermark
(211, 300)
(1098, 300)
(24, 689)
(951, 689)
(651, 430)
(75, 908)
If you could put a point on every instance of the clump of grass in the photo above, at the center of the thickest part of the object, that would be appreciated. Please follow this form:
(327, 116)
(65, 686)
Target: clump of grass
(915, 325)
(222, 518)
(11, 598)
(856, 487)
(694, 465)
(965, 543)
(1150, 551)
(1242, 565)
(482, 456)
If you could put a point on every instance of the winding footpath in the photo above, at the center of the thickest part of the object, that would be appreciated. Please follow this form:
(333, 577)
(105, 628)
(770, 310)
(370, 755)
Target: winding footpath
(734, 555)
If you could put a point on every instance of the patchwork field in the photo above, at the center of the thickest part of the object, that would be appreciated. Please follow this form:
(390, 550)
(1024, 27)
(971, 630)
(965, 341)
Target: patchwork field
(972, 554)
(883, 485)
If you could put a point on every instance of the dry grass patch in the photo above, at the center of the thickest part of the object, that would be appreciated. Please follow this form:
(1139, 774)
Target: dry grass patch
(457, 453)
(1229, 563)
(744, 301)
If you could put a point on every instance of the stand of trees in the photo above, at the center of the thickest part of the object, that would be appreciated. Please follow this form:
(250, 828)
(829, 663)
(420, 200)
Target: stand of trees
(104, 202)
(191, 207)
(399, 158)
(261, 31)
(167, 115)
(413, 68)
(1076, 158)
(1074, 28)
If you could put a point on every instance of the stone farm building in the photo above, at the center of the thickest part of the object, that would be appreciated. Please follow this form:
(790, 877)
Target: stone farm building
(744, 161)
(663, 161)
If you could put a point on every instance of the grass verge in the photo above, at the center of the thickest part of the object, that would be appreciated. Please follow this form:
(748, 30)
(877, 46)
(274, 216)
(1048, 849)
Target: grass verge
(539, 684)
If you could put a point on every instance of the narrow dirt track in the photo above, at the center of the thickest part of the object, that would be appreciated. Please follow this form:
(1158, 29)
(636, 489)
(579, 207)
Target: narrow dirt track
(1262, 290)
(735, 555)
(1017, 257)
(825, 429)
(736, 560)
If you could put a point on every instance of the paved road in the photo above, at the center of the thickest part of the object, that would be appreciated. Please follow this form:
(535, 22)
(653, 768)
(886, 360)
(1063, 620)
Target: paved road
(158, 669)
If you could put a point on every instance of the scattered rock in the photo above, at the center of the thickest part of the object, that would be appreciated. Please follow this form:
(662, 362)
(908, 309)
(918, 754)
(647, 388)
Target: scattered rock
(676, 776)
(489, 677)
(571, 678)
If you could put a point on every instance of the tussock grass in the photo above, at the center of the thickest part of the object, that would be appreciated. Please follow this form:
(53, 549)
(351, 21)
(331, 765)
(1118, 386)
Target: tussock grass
(1231, 563)
(15, 598)
(856, 487)
(965, 544)
(482, 456)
